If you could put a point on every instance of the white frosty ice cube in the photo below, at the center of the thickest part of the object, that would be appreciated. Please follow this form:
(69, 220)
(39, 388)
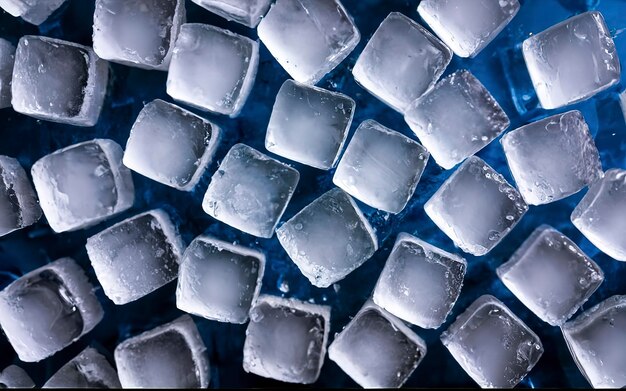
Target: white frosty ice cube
(476, 207)
(381, 167)
(492, 345)
(172, 355)
(308, 38)
(58, 81)
(219, 280)
(136, 256)
(376, 349)
(286, 339)
(89, 369)
(83, 184)
(401, 61)
(309, 124)
(246, 12)
(7, 59)
(329, 238)
(451, 138)
(32, 11)
(212, 69)
(48, 309)
(19, 207)
(15, 377)
(572, 60)
(171, 145)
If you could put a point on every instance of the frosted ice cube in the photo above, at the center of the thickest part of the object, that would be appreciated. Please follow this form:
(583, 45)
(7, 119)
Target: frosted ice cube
(139, 33)
(250, 191)
(83, 184)
(572, 60)
(492, 345)
(309, 38)
(376, 349)
(476, 207)
(33, 11)
(329, 238)
(58, 81)
(15, 377)
(596, 340)
(212, 69)
(420, 283)
(7, 59)
(477, 119)
(171, 145)
(309, 124)
(48, 309)
(381, 167)
(286, 339)
(401, 61)
(467, 26)
(136, 256)
(219, 280)
(19, 207)
(89, 369)
(172, 355)
(246, 12)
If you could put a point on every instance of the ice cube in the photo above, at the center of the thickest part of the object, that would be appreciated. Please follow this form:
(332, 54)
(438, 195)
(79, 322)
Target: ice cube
(309, 124)
(136, 256)
(622, 101)
(401, 61)
(309, 38)
(171, 145)
(596, 340)
(420, 283)
(476, 207)
(477, 119)
(572, 60)
(58, 81)
(139, 33)
(89, 369)
(212, 69)
(83, 184)
(48, 309)
(172, 355)
(250, 191)
(7, 59)
(33, 11)
(492, 345)
(329, 238)
(19, 207)
(286, 339)
(552, 158)
(381, 167)
(15, 377)
(467, 26)
(376, 349)
(246, 12)
(219, 280)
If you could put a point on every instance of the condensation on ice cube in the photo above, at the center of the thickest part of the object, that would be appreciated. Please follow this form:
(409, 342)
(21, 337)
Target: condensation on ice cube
(33, 11)
(246, 12)
(15, 377)
(89, 369)
(19, 207)
(7, 59)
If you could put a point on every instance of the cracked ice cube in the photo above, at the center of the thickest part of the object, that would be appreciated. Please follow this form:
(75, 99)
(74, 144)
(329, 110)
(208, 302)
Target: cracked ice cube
(15, 377)
(89, 369)
(246, 12)
(19, 207)
(7, 59)
(35, 12)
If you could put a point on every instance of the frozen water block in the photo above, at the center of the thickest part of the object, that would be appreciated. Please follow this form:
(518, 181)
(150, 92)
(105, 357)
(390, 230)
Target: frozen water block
(309, 124)
(329, 238)
(309, 38)
(219, 280)
(19, 207)
(376, 349)
(420, 283)
(58, 81)
(136, 256)
(83, 184)
(33, 11)
(15, 377)
(172, 355)
(552, 158)
(212, 69)
(246, 12)
(477, 118)
(286, 339)
(171, 145)
(381, 167)
(139, 33)
(492, 345)
(250, 191)
(89, 369)
(572, 60)
(7, 59)
(48, 309)
(401, 61)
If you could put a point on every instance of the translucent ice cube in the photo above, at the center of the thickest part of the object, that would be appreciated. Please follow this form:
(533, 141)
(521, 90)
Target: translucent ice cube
(32, 11)
(18, 203)
(246, 12)
(324, 25)
(286, 339)
(381, 167)
(89, 369)
(48, 309)
(58, 81)
(492, 345)
(309, 124)
(7, 59)
(477, 119)
(15, 377)
(83, 184)
(401, 61)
